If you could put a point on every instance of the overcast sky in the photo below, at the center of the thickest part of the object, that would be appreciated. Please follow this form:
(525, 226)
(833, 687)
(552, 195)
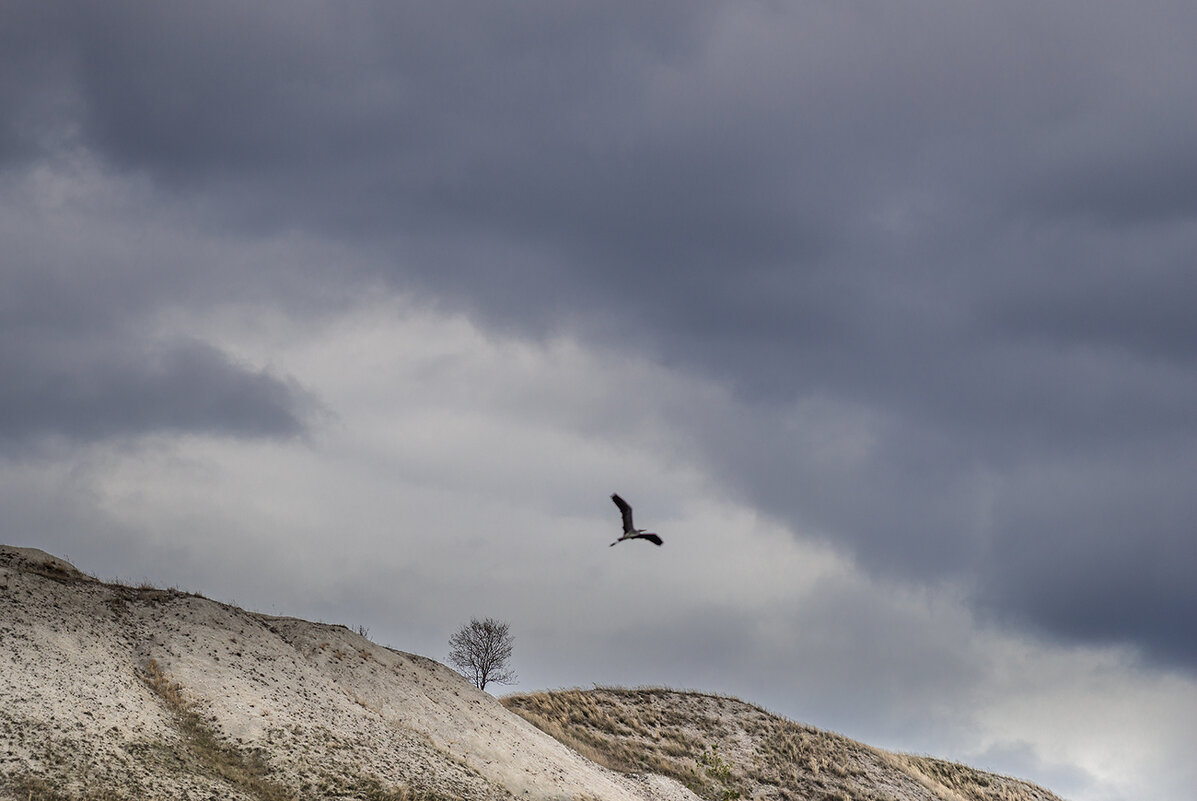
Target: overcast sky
(881, 314)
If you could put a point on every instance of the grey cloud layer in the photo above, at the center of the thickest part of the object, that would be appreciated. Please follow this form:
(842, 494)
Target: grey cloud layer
(965, 233)
(86, 393)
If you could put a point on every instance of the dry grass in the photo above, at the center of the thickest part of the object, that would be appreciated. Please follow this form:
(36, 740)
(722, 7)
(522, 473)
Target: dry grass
(625, 737)
(951, 781)
(640, 730)
(205, 751)
(723, 749)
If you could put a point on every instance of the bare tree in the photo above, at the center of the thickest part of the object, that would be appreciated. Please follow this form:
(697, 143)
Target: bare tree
(480, 650)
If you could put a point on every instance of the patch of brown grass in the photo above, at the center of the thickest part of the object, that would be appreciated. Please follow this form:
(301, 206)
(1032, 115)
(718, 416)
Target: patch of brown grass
(624, 730)
(722, 749)
(952, 781)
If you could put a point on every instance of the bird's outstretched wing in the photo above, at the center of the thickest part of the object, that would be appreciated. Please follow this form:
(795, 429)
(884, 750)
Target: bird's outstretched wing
(653, 538)
(626, 511)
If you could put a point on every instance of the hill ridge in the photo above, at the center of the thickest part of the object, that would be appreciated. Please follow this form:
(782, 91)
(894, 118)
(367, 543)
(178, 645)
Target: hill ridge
(723, 747)
(115, 692)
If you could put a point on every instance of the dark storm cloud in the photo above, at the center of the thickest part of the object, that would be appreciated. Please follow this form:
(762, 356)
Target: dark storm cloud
(1103, 550)
(87, 392)
(81, 361)
(963, 233)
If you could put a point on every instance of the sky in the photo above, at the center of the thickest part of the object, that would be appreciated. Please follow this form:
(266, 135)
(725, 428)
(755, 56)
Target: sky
(881, 314)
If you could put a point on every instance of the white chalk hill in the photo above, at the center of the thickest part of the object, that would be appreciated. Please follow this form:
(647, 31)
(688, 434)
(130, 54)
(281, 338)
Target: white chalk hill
(108, 691)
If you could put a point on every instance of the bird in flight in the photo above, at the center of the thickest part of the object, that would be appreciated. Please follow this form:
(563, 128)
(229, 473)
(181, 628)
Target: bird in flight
(630, 532)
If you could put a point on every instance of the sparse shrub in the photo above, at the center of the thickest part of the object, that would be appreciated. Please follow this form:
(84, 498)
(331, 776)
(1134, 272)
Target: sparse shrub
(714, 765)
(160, 683)
(720, 770)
